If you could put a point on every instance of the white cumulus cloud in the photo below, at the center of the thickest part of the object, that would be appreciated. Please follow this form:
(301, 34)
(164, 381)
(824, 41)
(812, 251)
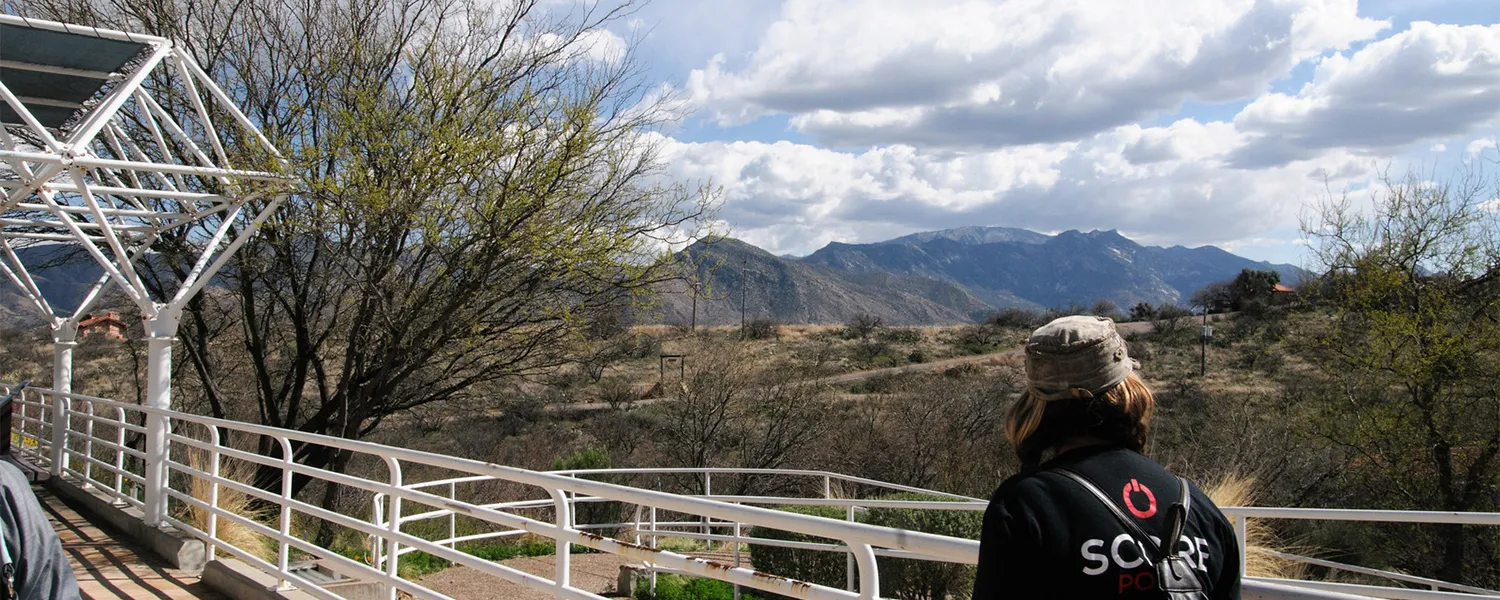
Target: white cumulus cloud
(1430, 81)
(1158, 185)
(976, 74)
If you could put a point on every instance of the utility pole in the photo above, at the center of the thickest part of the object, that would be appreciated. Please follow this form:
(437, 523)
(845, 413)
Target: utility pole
(744, 285)
(1208, 332)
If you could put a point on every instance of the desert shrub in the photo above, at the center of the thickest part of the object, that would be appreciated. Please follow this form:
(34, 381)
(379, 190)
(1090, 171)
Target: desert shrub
(917, 356)
(1262, 544)
(900, 335)
(1259, 357)
(523, 411)
(643, 345)
(979, 339)
(874, 353)
(815, 566)
(617, 392)
(1106, 308)
(920, 579)
(1019, 318)
(231, 500)
(963, 371)
(879, 384)
(1171, 321)
(605, 325)
(1142, 311)
(861, 327)
(760, 329)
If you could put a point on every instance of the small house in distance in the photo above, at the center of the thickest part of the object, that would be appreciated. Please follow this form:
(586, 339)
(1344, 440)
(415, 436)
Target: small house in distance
(1282, 295)
(108, 325)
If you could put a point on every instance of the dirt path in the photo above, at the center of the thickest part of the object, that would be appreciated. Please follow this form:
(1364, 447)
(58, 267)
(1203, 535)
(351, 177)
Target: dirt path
(844, 379)
(596, 573)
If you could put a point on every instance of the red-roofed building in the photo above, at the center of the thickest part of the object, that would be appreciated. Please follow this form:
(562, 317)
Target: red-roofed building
(1282, 295)
(108, 325)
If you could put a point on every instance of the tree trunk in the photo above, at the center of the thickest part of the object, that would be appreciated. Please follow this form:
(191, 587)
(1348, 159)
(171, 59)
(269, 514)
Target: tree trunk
(1452, 569)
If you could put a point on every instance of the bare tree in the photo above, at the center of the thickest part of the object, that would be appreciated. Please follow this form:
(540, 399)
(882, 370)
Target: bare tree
(478, 184)
(1408, 358)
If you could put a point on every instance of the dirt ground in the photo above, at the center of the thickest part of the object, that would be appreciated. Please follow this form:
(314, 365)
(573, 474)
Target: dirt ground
(596, 573)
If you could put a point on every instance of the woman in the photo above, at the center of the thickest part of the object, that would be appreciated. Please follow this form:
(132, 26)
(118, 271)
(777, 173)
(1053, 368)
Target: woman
(1083, 422)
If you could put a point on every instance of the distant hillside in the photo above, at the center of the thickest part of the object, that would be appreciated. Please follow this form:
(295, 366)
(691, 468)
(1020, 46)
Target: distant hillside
(63, 275)
(1068, 267)
(791, 291)
(973, 235)
(938, 277)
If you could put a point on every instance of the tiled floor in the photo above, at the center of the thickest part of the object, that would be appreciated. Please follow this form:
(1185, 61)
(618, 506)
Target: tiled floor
(108, 567)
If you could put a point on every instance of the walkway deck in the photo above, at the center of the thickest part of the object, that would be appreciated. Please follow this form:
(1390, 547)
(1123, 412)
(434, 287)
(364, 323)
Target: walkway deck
(109, 567)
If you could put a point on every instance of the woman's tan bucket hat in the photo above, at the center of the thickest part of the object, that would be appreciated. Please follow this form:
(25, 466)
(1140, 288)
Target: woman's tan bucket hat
(1076, 357)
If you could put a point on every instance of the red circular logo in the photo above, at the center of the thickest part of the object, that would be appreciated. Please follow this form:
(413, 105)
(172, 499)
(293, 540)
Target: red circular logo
(1135, 486)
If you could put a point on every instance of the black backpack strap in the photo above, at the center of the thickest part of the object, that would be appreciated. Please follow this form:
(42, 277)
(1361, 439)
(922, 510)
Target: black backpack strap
(1135, 530)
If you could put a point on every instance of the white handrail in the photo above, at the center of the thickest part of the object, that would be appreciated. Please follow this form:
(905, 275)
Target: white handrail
(564, 491)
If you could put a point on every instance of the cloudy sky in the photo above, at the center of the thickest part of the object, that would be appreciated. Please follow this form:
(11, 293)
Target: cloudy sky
(1174, 121)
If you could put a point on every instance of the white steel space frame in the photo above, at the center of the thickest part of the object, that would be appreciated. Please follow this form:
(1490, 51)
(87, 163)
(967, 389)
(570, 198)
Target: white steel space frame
(125, 171)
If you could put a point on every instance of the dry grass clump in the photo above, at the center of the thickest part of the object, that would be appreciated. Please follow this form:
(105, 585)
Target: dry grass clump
(227, 531)
(1260, 539)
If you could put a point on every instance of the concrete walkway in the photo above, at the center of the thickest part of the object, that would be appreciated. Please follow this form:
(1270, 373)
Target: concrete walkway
(109, 567)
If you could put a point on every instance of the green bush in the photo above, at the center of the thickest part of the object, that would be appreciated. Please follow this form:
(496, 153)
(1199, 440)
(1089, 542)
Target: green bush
(814, 566)
(899, 578)
(917, 356)
(591, 513)
(874, 354)
(900, 335)
(417, 564)
(678, 587)
(920, 579)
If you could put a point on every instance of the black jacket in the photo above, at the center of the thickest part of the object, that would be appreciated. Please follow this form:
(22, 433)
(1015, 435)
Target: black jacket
(1045, 536)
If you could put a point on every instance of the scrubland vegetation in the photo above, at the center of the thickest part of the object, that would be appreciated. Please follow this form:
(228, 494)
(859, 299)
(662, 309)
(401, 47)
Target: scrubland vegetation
(445, 284)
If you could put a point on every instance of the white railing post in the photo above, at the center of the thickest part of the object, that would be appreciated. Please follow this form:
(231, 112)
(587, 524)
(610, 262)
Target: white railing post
(119, 455)
(283, 549)
(377, 518)
(849, 556)
(869, 572)
(159, 330)
(393, 547)
(64, 337)
(708, 488)
(827, 487)
(213, 492)
(564, 557)
(1241, 529)
(452, 517)
(736, 556)
(88, 445)
(653, 547)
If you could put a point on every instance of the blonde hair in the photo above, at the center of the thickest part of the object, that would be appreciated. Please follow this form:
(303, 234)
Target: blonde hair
(1120, 415)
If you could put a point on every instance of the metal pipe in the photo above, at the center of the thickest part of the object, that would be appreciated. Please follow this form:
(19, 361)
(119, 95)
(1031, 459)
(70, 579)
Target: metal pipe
(64, 339)
(564, 557)
(159, 330)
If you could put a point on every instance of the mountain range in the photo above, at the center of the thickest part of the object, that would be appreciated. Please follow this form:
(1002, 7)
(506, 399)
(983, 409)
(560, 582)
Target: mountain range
(936, 277)
(942, 277)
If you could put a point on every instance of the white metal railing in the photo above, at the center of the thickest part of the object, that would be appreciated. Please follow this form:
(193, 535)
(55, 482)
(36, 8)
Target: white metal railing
(387, 533)
(101, 447)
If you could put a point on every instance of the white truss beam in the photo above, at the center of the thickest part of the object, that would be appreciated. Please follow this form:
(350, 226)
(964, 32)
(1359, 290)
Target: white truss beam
(120, 174)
